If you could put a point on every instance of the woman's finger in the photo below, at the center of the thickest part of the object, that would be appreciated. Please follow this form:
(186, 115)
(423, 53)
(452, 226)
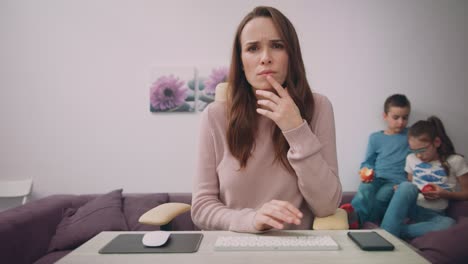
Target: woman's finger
(267, 103)
(289, 207)
(262, 220)
(266, 113)
(269, 95)
(281, 91)
(281, 214)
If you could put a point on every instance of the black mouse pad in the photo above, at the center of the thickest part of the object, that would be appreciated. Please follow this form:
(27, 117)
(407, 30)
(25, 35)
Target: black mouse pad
(132, 243)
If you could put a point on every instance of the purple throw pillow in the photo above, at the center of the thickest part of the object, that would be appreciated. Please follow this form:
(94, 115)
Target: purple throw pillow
(104, 213)
(446, 246)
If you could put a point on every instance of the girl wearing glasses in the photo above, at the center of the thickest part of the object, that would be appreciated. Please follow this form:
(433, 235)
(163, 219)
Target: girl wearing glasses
(436, 174)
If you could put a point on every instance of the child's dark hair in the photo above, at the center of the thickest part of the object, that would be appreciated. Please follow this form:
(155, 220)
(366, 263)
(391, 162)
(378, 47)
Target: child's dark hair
(398, 100)
(428, 130)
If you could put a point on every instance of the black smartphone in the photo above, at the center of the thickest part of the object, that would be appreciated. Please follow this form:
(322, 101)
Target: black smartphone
(371, 241)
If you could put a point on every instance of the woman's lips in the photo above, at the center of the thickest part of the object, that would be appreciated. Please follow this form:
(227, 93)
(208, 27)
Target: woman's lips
(266, 72)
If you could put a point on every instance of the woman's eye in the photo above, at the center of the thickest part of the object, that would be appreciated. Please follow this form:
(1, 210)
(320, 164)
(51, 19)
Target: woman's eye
(252, 48)
(277, 46)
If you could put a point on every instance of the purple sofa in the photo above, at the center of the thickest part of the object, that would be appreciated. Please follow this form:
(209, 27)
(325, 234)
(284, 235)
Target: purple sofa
(27, 232)
(38, 232)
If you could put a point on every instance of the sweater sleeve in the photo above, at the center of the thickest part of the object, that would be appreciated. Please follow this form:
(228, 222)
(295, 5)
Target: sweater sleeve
(312, 155)
(208, 211)
(371, 154)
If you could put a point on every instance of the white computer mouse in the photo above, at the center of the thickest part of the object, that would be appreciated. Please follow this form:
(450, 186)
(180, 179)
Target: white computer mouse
(155, 238)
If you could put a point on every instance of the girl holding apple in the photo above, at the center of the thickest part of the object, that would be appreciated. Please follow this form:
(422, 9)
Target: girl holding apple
(436, 174)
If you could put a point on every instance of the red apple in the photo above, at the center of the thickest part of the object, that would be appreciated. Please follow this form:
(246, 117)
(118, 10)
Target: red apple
(367, 175)
(428, 188)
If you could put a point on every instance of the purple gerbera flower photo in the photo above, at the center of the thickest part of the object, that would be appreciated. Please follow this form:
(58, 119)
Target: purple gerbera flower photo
(218, 75)
(167, 93)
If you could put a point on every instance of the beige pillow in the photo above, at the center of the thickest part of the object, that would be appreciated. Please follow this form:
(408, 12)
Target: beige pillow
(164, 213)
(337, 221)
(221, 92)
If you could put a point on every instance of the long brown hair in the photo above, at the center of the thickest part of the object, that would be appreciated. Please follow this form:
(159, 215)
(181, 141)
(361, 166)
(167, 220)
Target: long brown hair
(427, 131)
(241, 100)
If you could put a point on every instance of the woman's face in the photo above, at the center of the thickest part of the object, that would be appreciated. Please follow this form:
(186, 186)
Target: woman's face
(263, 53)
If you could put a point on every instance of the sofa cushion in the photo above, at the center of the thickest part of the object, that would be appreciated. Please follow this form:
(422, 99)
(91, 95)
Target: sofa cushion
(136, 205)
(52, 257)
(184, 221)
(457, 209)
(447, 246)
(104, 213)
(347, 197)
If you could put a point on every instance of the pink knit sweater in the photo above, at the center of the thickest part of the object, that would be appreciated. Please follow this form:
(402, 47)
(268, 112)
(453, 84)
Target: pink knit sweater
(226, 198)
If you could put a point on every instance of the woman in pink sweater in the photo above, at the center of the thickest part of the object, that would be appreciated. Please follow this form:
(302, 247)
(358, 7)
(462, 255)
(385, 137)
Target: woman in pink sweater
(267, 156)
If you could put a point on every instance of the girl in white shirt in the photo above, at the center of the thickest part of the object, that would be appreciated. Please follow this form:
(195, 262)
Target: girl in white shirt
(436, 174)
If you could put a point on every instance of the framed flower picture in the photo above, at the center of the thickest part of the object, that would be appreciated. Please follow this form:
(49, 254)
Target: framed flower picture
(172, 89)
(184, 89)
(208, 79)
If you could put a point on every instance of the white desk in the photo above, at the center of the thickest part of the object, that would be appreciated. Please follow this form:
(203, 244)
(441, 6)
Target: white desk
(348, 253)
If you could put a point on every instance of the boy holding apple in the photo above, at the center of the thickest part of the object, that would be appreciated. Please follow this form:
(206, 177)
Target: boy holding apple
(383, 166)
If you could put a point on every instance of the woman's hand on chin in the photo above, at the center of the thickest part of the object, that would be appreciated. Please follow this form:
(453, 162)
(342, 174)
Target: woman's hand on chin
(279, 108)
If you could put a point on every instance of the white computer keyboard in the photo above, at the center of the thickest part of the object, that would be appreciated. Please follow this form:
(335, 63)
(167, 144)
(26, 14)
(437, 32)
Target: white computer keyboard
(265, 243)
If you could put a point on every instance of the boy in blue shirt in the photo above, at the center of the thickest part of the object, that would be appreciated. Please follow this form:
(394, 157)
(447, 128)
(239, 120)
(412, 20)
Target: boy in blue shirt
(386, 154)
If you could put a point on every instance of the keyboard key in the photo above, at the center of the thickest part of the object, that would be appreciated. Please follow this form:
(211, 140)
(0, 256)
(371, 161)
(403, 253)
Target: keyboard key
(280, 243)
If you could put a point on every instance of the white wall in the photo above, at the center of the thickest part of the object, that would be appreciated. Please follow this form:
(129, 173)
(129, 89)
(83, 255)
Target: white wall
(74, 81)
